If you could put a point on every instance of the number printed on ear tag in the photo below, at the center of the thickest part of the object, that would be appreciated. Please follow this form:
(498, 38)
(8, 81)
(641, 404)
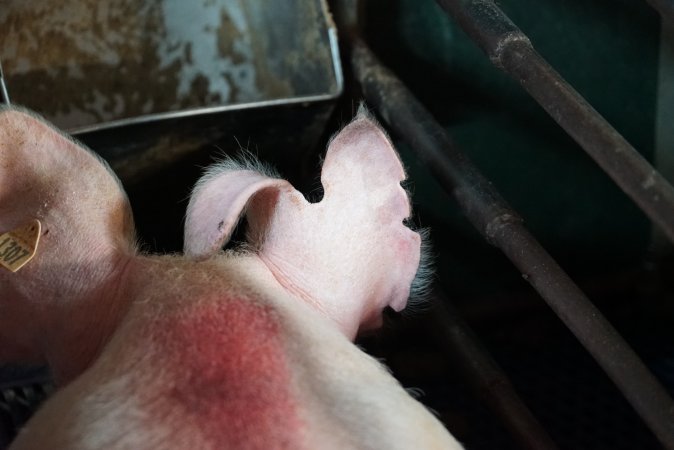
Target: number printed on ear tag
(18, 246)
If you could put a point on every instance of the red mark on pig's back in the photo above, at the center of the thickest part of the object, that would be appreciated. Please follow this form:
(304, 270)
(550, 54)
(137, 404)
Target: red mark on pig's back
(229, 377)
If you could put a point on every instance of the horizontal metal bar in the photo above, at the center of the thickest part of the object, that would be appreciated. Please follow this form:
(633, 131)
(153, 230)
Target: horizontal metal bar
(486, 378)
(511, 50)
(502, 226)
(665, 8)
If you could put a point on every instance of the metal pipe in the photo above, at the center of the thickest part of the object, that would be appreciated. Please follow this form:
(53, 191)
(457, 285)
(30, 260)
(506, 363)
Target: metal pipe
(510, 49)
(486, 378)
(665, 8)
(4, 95)
(503, 227)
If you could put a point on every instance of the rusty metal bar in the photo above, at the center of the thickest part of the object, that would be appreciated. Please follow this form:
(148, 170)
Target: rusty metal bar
(4, 95)
(487, 379)
(502, 226)
(510, 49)
(664, 7)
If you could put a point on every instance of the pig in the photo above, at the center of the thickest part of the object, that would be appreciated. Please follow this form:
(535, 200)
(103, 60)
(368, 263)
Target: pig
(249, 348)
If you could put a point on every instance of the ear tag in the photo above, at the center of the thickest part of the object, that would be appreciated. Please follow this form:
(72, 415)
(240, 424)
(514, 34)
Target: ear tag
(17, 247)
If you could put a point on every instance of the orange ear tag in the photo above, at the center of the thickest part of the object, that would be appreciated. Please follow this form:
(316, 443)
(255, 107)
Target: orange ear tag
(18, 246)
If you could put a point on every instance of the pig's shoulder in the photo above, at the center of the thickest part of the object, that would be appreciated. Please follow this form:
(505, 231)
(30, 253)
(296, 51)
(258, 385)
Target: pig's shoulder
(227, 372)
(216, 347)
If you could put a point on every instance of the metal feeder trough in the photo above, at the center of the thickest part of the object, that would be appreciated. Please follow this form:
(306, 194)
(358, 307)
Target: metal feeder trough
(159, 87)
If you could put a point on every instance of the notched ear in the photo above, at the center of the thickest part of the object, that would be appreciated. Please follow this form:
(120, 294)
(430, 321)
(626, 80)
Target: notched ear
(361, 161)
(353, 245)
(219, 200)
(350, 253)
(361, 177)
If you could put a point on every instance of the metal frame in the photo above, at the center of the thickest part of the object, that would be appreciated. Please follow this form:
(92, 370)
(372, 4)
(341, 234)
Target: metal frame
(486, 378)
(510, 50)
(330, 93)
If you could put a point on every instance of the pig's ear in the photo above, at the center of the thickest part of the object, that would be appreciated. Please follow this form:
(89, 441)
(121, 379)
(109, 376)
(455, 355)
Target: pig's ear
(46, 175)
(350, 246)
(84, 222)
(353, 243)
(219, 200)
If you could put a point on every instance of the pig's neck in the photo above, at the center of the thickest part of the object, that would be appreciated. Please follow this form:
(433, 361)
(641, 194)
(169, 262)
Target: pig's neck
(77, 330)
(345, 309)
(83, 319)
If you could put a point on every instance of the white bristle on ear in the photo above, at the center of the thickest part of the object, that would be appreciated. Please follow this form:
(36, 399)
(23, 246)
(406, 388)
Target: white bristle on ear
(421, 285)
(363, 111)
(415, 392)
(243, 160)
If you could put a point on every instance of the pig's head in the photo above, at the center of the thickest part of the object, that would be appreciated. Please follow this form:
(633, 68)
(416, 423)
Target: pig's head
(349, 255)
(87, 232)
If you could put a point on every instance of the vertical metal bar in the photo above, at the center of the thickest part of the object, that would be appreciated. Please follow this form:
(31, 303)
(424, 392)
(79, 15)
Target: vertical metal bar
(511, 50)
(487, 378)
(4, 95)
(664, 7)
(663, 156)
(501, 225)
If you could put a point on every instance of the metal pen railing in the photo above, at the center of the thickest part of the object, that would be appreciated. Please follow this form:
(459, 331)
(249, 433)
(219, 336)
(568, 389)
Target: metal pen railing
(486, 378)
(510, 50)
(501, 226)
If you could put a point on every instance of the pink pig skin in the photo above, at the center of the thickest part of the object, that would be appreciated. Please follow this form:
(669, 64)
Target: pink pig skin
(213, 350)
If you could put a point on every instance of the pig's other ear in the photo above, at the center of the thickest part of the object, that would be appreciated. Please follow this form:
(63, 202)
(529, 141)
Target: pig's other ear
(353, 243)
(46, 175)
(86, 227)
(351, 252)
(219, 200)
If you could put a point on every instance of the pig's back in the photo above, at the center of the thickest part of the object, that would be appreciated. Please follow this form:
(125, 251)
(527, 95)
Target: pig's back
(245, 368)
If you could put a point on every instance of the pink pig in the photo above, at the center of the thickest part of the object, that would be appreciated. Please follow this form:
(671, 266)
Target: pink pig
(247, 349)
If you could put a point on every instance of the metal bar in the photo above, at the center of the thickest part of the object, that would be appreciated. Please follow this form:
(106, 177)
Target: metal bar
(487, 378)
(511, 50)
(664, 7)
(4, 95)
(502, 226)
